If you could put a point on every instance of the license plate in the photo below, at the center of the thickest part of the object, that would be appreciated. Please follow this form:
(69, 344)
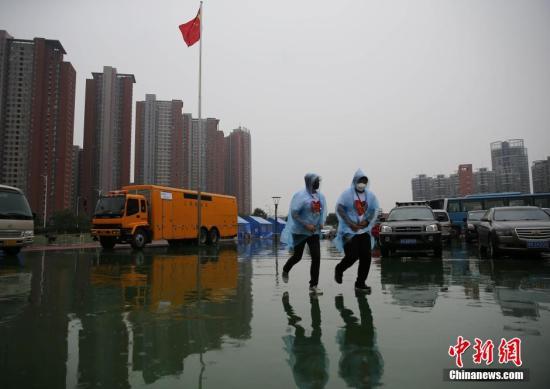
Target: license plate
(408, 241)
(537, 244)
(10, 242)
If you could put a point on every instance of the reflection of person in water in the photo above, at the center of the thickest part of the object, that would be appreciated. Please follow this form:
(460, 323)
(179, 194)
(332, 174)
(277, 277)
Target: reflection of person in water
(308, 357)
(361, 364)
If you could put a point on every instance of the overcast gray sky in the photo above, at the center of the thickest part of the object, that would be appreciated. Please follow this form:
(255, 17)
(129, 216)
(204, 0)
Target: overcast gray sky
(394, 87)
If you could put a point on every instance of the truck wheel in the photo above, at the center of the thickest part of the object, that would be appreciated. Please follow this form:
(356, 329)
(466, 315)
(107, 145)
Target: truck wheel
(139, 239)
(213, 236)
(203, 236)
(384, 252)
(438, 251)
(106, 242)
(12, 250)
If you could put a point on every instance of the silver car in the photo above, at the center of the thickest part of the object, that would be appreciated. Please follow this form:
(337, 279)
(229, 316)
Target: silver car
(446, 226)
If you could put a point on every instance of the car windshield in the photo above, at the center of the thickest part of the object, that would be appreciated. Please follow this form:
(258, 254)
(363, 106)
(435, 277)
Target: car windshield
(110, 206)
(520, 214)
(441, 216)
(13, 205)
(476, 216)
(412, 213)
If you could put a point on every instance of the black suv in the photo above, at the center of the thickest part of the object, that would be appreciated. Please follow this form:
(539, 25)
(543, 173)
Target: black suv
(410, 227)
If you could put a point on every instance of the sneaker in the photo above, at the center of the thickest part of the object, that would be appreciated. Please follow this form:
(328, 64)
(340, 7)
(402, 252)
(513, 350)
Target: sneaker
(285, 277)
(315, 291)
(363, 288)
(337, 275)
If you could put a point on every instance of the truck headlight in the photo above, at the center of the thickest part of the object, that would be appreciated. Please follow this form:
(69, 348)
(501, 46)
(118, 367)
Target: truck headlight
(28, 233)
(385, 229)
(432, 228)
(471, 226)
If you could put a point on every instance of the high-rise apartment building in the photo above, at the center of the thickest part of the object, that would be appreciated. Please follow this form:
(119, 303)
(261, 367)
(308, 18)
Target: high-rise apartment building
(37, 95)
(465, 180)
(75, 178)
(211, 154)
(439, 186)
(215, 157)
(421, 187)
(238, 168)
(484, 181)
(540, 171)
(511, 166)
(159, 142)
(107, 133)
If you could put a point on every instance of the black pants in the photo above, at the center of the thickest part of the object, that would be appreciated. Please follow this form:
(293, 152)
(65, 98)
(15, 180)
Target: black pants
(357, 248)
(315, 252)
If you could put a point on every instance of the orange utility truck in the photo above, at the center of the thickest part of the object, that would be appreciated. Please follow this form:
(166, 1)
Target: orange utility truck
(139, 214)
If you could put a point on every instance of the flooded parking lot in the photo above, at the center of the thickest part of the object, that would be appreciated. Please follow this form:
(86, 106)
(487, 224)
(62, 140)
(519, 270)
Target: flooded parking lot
(223, 317)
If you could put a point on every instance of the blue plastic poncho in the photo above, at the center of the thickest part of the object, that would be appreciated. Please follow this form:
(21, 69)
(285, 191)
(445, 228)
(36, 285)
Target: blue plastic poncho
(306, 207)
(347, 201)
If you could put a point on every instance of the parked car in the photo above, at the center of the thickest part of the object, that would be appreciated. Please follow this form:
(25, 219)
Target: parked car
(375, 232)
(410, 227)
(16, 220)
(514, 229)
(472, 222)
(446, 226)
(328, 232)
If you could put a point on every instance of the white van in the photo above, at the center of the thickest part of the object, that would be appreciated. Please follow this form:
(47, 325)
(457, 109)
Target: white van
(16, 220)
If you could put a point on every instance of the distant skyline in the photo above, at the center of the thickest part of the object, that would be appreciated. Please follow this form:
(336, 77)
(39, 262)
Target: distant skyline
(395, 88)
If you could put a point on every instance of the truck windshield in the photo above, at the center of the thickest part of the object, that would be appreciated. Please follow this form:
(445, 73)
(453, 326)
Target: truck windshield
(110, 206)
(14, 205)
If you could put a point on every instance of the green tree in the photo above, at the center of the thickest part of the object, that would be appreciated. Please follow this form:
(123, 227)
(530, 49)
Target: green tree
(63, 221)
(66, 221)
(259, 212)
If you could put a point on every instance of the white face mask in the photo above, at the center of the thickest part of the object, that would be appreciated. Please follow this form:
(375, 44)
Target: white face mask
(360, 187)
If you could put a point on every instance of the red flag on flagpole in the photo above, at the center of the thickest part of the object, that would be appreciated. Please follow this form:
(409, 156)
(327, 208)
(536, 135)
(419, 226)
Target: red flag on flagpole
(191, 30)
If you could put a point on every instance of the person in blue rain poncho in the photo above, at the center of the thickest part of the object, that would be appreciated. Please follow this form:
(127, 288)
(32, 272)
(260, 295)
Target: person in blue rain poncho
(306, 217)
(356, 209)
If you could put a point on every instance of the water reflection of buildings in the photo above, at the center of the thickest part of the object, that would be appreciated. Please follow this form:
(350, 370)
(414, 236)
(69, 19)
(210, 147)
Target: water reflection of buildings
(34, 344)
(412, 283)
(119, 319)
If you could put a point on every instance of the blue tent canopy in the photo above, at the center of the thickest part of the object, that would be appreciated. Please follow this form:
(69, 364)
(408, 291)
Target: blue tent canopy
(260, 228)
(280, 224)
(244, 231)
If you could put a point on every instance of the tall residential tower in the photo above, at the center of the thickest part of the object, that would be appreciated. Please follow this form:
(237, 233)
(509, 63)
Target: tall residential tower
(107, 133)
(159, 143)
(37, 97)
(511, 166)
(238, 168)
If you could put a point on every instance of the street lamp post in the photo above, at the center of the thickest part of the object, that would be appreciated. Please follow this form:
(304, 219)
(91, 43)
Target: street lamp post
(276, 200)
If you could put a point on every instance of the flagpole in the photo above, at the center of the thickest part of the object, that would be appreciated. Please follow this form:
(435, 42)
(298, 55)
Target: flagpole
(199, 218)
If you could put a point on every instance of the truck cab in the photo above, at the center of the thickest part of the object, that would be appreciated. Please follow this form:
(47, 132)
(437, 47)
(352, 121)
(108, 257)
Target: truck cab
(120, 217)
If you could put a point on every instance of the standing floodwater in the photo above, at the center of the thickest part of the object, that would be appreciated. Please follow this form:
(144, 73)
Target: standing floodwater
(223, 318)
